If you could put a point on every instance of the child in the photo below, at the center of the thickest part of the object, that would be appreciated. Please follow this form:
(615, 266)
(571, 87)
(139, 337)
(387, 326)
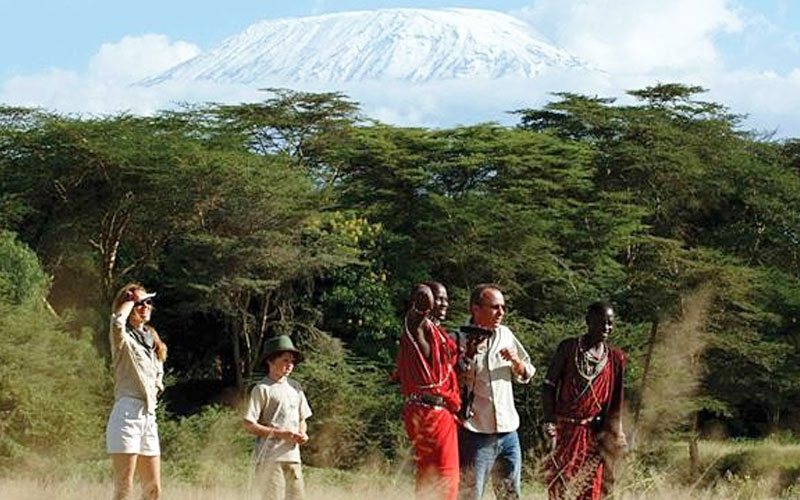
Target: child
(276, 413)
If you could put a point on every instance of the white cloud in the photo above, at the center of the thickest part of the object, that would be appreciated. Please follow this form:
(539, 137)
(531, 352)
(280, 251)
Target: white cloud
(465, 102)
(643, 42)
(637, 36)
(134, 58)
(105, 86)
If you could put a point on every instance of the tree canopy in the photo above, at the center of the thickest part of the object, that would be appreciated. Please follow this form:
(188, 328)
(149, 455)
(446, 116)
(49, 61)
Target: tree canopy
(297, 215)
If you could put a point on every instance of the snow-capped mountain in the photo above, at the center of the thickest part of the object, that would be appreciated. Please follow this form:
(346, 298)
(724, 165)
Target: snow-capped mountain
(410, 45)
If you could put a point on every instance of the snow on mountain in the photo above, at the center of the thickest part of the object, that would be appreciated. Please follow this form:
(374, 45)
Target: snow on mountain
(410, 45)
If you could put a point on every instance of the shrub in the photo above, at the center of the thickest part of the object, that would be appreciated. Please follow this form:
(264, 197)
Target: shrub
(54, 388)
(208, 448)
(21, 276)
(357, 411)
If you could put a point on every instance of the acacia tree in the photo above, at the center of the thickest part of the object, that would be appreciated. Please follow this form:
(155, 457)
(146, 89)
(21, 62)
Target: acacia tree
(486, 203)
(97, 199)
(91, 184)
(304, 126)
(254, 249)
(718, 205)
(113, 199)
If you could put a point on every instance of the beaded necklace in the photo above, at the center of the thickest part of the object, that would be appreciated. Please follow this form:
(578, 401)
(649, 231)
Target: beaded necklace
(589, 364)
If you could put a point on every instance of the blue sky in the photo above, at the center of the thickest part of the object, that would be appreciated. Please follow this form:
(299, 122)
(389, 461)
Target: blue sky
(67, 33)
(77, 55)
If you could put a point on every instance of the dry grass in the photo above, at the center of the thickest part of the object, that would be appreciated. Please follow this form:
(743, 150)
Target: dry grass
(28, 489)
(32, 489)
(675, 369)
(330, 484)
(731, 470)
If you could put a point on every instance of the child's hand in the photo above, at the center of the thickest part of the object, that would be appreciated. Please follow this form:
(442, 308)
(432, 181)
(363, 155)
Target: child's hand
(285, 434)
(297, 437)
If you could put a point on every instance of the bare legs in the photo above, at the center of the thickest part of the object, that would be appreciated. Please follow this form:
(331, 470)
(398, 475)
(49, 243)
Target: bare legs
(149, 469)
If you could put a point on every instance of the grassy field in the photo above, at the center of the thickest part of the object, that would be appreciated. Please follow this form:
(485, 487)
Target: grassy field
(729, 470)
(30, 489)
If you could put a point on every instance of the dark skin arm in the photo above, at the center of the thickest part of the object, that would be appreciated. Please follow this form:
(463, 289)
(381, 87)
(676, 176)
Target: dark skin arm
(550, 391)
(417, 317)
(614, 424)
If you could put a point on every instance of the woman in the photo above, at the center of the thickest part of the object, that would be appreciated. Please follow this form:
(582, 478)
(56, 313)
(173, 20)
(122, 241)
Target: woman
(138, 356)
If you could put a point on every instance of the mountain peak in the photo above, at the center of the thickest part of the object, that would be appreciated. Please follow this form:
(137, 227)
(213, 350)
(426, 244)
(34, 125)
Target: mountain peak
(411, 45)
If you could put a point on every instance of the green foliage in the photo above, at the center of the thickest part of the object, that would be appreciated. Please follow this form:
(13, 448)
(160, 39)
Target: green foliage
(710, 197)
(358, 309)
(208, 448)
(257, 245)
(540, 340)
(22, 280)
(485, 203)
(356, 411)
(753, 334)
(52, 383)
(301, 125)
(54, 389)
(356, 303)
(294, 215)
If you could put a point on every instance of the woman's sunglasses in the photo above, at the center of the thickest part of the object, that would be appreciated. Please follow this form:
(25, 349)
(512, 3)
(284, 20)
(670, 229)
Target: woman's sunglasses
(146, 302)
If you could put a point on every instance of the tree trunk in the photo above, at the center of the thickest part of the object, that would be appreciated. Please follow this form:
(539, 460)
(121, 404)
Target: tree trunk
(651, 343)
(261, 330)
(112, 228)
(246, 368)
(694, 452)
(775, 420)
(237, 356)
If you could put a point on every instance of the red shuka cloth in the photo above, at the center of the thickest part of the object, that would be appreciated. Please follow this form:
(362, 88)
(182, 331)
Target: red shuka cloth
(575, 468)
(431, 430)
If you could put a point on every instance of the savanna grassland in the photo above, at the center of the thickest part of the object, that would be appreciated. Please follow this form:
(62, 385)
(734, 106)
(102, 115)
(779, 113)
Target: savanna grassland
(764, 470)
(298, 215)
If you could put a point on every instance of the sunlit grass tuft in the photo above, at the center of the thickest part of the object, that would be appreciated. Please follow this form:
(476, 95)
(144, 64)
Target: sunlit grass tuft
(733, 470)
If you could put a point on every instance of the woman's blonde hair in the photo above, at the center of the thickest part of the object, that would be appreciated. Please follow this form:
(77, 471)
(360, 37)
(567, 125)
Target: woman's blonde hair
(161, 346)
(119, 298)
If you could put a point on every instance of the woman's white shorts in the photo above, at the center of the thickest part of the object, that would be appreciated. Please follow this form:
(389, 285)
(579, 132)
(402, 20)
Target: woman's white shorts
(131, 429)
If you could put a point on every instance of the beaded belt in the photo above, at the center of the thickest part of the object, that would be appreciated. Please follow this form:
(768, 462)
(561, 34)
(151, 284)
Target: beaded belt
(426, 400)
(577, 421)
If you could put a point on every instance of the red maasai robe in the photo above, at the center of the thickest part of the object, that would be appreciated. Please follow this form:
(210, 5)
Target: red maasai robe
(431, 429)
(575, 468)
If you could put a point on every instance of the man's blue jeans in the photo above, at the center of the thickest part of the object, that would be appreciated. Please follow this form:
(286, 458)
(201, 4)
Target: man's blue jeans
(481, 454)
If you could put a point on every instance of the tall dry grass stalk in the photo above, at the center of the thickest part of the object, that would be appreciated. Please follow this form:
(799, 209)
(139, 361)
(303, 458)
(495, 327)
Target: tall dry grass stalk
(675, 371)
(367, 488)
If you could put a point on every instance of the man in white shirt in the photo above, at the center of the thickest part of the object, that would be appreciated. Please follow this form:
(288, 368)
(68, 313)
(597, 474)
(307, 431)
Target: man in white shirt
(488, 440)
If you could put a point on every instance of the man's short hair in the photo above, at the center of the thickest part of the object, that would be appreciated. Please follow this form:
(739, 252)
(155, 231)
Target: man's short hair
(476, 297)
(598, 307)
(434, 284)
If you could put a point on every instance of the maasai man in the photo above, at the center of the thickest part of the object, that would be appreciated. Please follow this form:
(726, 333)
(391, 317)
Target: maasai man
(428, 383)
(583, 395)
